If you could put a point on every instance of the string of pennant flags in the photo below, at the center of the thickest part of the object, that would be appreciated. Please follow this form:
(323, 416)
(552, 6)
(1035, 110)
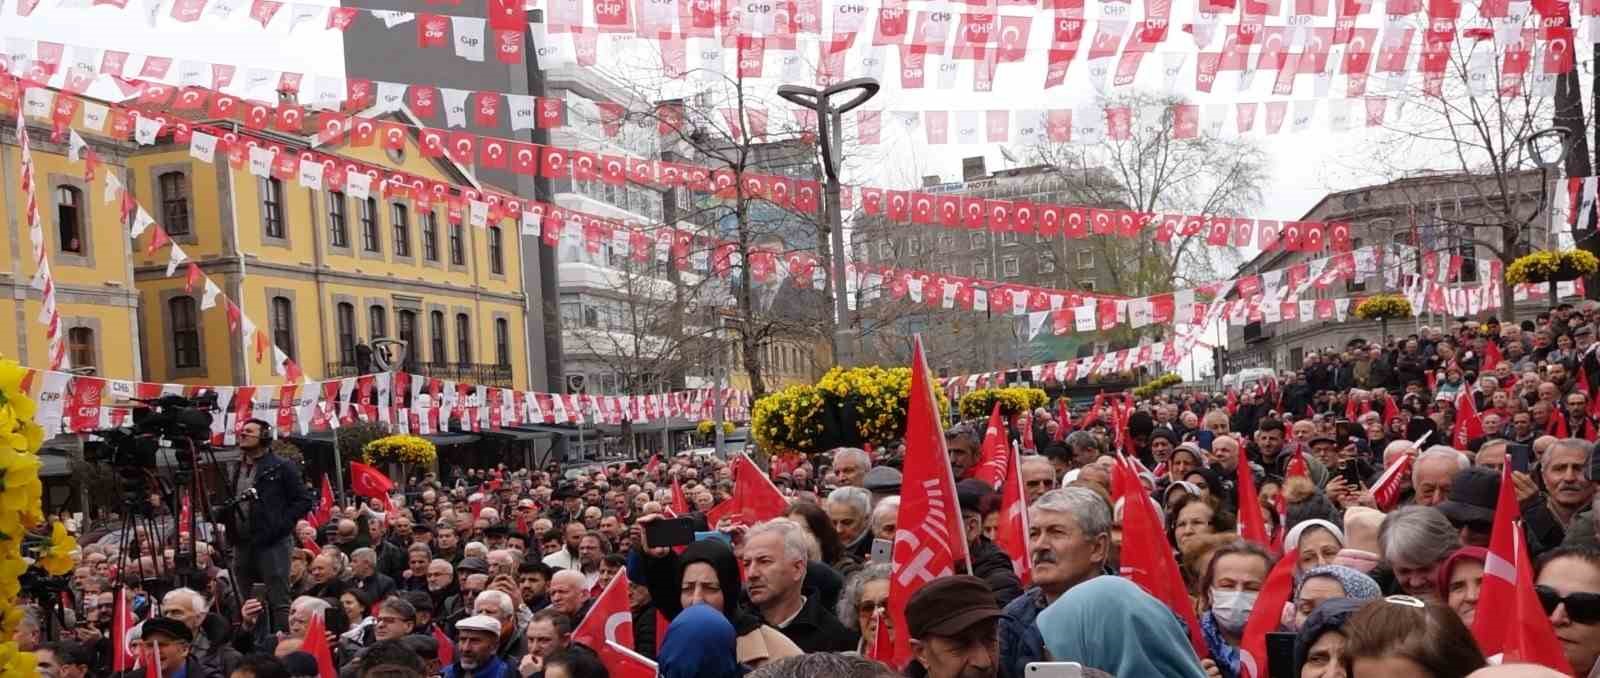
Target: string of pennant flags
(409, 403)
(982, 35)
(801, 195)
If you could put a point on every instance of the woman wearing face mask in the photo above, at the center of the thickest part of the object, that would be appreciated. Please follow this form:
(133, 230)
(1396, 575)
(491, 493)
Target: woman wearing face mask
(1230, 586)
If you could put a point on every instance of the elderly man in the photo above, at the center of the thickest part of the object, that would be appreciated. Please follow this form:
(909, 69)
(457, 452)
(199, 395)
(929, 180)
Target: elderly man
(549, 632)
(1085, 448)
(189, 607)
(569, 593)
(1038, 476)
(952, 627)
(442, 587)
(1413, 540)
(170, 640)
(1565, 467)
(499, 606)
(326, 573)
(774, 559)
(850, 466)
(1069, 535)
(1433, 472)
(477, 641)
(848, 509)
(884, 517)
(366, 577)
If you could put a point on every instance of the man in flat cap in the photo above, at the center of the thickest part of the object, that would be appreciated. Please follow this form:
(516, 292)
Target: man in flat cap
(169, 639)
(952, 626)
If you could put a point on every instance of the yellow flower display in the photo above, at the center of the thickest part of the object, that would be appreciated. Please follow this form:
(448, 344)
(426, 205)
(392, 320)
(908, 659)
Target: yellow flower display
(1540, 267)
(847, 407)
(21, 494)
(59, 557)
(706, 427)
(404, 449)
(1383, 307)
(1157, 385)
(1013, 399)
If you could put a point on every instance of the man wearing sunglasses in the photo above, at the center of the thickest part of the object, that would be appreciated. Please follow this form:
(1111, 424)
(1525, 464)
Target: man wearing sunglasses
(1569, 589)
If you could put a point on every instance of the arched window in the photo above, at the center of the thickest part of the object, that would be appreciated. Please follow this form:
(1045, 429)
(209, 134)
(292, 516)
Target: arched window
(69, 219)
(185, 332)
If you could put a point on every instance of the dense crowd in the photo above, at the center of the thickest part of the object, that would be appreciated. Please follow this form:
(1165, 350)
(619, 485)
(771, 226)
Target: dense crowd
(1376, 468)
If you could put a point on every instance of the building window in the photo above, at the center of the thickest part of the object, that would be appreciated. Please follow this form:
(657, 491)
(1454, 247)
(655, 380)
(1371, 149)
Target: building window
(1085, 259)
(1008, 238)
(885, 250)
(272, 207)
(980, 268)
(463, 339)
(185, 332)
(346, 319)
(497, 264)
(174, 202)
(69, 219)
(914, 246)
(338, 226)
(1047, 262)
(1087, 285)
(400, 219)
(980, 240)
(430, 236)
(1010, 267)
(436, 337)
(80, 347)
(283, 325)
(458, 250)
(369, 225)
(377, 322)
(406, 327)
(502, 342)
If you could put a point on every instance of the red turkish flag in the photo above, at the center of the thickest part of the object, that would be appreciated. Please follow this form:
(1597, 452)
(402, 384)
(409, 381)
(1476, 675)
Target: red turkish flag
(1525, 634)
(1011, 535)
(754, 499)
(367, 481)
(609, 618)
(931, 539)
(121, 621)
(507, 15)
(1147, 559)
(324, 509)
(316, 645)
(994, 453)
(1264, 617)
(680, 503)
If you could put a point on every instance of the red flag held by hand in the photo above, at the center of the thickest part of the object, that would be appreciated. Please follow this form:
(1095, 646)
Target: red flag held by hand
(1525, 633)
(316, 645)
(324, 510)
(680, 503)
(1252, 525)
(447, 649)
(1147, 559)
(1064, 418)
(1468, 426)
(367, 481)
(1011, 535)
(1491, 356)
(994, 453)
(1386, 491)
(754, 498)
(1264, 618)
(609, 619)
(121, 621)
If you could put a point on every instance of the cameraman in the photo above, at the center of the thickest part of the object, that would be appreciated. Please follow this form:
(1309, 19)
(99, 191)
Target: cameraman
(266, 523)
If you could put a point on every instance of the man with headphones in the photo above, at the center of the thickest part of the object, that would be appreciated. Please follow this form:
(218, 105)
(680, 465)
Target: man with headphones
(264, 527)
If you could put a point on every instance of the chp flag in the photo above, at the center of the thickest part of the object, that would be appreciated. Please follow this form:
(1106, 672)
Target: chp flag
(929, 540)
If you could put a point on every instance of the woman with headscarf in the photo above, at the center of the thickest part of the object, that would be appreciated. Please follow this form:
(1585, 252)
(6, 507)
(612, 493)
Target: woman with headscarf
(1327, 582)
(1110, 624)
(1460, 578)
(699, 644)
(1313, 543)
(707, 572)
(1319, 648)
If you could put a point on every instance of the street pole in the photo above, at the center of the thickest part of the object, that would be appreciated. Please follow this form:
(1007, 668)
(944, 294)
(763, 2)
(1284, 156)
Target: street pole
(831, 143)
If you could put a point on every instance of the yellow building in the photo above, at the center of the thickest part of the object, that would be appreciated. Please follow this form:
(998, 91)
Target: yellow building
(89, 252)
(321, 272)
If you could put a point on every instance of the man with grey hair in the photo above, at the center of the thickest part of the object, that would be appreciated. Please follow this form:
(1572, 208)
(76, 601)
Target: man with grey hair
(1433, 473)
(1085, 448)
(850, 466)
(1413, 540)
(1069, 540)
(190, 607)
(1565, 470)
(848, 509)
(884, 517)
(513, 638)
(774, 559)
(364, 574)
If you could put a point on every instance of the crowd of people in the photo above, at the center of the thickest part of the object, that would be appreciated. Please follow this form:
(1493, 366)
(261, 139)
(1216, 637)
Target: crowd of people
(486, 573)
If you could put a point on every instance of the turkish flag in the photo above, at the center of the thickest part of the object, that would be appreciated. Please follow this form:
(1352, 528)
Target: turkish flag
(324, 510)
(680, 503)
(1523, 633)
(1011, 535)
(609, 619)
(754, 499)
(994, 453)
(316, 645)
(1252, 526)
(367, 481)
(121, 620)
(1147, 560)
(1264, 617)
(931, 539)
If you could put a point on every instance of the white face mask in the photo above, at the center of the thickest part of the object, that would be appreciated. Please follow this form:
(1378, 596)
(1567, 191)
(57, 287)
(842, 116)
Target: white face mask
(1231, 609)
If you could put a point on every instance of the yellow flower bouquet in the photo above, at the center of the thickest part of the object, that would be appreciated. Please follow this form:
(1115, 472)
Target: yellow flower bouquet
(1157, 385)
(1013, 400)
(21, 508)
(847, 407)
(404, 449)
(1547, 266)
(1383, 307)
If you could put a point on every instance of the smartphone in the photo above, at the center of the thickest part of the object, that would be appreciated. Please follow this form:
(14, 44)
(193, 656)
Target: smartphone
(1053, 670)
(1204, 438)
(882, 551)
(258, 591)
(669, 532)
(1280, 655)
(1520, 456)
(1351, 474)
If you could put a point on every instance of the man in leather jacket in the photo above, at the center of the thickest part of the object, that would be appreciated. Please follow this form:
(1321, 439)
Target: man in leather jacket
(265, 524)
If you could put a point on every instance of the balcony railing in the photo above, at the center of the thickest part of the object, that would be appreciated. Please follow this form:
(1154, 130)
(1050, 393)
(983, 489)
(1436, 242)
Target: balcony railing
(471, 373)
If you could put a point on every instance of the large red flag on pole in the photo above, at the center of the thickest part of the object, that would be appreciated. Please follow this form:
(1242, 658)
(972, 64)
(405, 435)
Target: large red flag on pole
(609, 618)
(1265, 617)
(680, 502)
(316, 645)
(1147, 559)
(324, 510)
(121, 622)
(754, 498)
(994, 454)
(1011, 535)
(367, 481)
(930, 539)
(1252, 525)
(1518, 628)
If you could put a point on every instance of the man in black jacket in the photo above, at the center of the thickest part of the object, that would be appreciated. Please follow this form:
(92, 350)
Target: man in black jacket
(774, 570)
(989, 563)
(265, 524)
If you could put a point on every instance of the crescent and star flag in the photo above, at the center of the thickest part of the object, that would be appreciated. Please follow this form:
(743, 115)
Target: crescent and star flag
(609, 619)
(1011, 535)
(930, 539)
(621, 662)
(754, 498)
(1523, 633)
(367, 481)
(995, 453)
(121, 621)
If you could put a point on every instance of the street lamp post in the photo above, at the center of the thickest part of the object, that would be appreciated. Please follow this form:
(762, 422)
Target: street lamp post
(1548, 148)
(830, 121)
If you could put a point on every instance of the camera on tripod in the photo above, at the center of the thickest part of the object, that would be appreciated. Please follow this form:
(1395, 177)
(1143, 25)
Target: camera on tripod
(171, 421)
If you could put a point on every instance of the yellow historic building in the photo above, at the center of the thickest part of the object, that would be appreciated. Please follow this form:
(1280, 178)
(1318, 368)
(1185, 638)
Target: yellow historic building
(317, 271)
